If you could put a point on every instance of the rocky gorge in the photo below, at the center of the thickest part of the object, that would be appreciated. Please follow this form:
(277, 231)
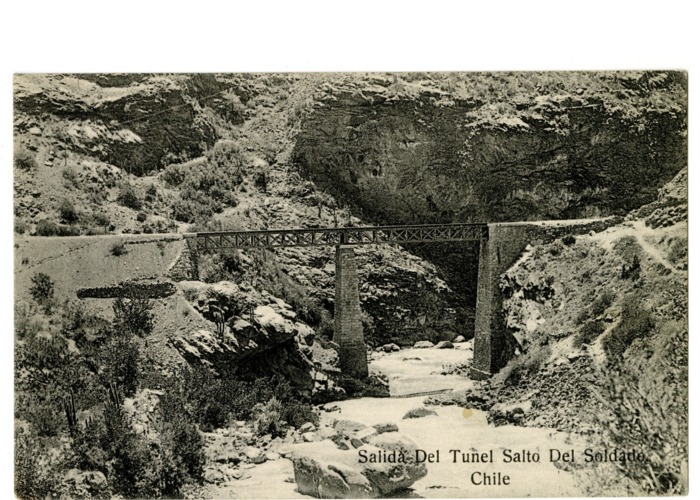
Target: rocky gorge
(217, 375)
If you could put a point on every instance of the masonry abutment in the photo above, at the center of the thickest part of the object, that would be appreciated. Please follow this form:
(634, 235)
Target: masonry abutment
(348, 322)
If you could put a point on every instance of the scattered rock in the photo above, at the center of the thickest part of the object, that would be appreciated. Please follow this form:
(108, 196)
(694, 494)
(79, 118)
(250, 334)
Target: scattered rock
(423, 344)
(365, 434)
(390, 348)
(347, 427)
(386, 427)
(419, 412)
(324, 471)
(504, 414)
(459, 338)
(444, 344)
(94, 483)
(35, 131)
(309, 437)
(308, 426)
(255, 455)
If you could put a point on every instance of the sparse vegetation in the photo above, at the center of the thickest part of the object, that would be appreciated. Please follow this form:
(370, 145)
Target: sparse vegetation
(118, 249)
(68, 213)
(133, 313)
(24, 159)
(128, 197)
(635, 322)
(42, 291)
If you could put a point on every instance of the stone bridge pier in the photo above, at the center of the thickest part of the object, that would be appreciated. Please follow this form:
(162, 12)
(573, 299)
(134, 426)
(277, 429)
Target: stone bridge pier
(505, 244)
(348, 332)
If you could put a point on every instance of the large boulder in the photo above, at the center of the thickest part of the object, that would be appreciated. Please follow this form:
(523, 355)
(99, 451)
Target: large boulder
(444, 344)
(324, 471)
(390, 348)
(86, 483)
(419, 412)
(423, 344)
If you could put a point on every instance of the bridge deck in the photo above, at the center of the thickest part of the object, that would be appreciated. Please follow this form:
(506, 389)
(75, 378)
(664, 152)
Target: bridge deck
(368, 235)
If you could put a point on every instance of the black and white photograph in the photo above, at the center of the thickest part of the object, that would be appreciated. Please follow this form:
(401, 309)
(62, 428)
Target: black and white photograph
(350, 284)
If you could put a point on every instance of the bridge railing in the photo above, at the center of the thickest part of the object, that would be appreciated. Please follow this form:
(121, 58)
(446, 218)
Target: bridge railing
(367, 235)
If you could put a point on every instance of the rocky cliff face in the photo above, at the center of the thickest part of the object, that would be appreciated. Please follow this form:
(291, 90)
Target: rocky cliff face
(499, 147)
(410, 152)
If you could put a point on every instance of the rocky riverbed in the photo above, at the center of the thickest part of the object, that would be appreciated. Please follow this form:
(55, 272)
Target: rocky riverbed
(329, 455)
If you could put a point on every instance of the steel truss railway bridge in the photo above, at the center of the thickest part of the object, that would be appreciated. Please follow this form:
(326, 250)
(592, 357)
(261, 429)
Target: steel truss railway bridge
(500, 245)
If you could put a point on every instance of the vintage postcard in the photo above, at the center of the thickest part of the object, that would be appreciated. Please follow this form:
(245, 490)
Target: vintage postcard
(351, 285)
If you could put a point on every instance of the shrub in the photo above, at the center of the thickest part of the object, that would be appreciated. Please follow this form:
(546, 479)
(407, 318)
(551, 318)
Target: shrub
(141, 217)
(568, 240)
(589, 333)
(42, 290)
(70, 175)
(46, 228)
(67, 212)
(261, 179)
(601, 304)
(24, 159)
(101, 219)
(20, 226)
(132, 313)
(35, 474)
(269, 419)
(631, 271)
(128, 197)
(226, 153)
(121, 357)
(525, 365)
(118, 249)
(151, 193)
(635, 322)
(297, 413)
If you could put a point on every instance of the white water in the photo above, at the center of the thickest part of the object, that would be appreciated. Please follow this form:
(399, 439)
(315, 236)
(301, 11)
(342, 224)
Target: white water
(453, 428)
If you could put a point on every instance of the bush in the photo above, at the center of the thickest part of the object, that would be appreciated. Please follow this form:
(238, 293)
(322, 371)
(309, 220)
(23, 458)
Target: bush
(297, 413)
(121, 357)
(589, 333)
(69, 175)
(35, 476)
(269, 419)
(226, 153)
(151, 193)
(568, 240)
(42, 291)
(67, 212)
(24, 159)
(20, 226)
(631, 271)
(127, 197)
(47, 228)
(101, 219)
(118, 249)
(132, 313)
(601, 304)
(141, 217)
(635, 322)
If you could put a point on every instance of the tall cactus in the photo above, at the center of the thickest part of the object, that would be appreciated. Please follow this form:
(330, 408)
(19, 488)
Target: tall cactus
(115, 400)
(71, 415)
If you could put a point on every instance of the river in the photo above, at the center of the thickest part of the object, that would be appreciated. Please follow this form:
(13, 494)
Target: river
(413, 371)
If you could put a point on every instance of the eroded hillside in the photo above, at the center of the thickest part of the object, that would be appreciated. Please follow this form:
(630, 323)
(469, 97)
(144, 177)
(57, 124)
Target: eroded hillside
(601, 321)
